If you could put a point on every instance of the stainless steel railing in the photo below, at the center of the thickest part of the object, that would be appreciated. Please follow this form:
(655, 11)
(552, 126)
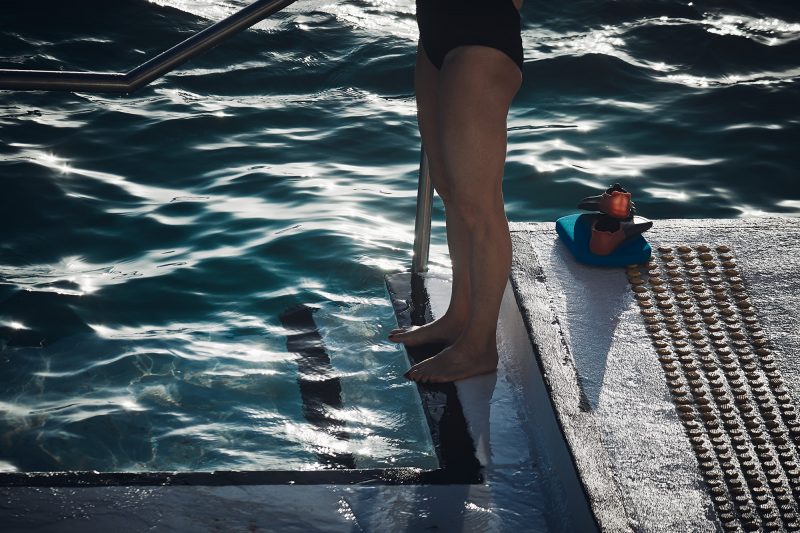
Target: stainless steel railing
(58, 80)
(422, 225)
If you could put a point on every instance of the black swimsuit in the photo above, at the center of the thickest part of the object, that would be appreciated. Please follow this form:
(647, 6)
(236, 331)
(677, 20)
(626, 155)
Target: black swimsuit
(446, 24)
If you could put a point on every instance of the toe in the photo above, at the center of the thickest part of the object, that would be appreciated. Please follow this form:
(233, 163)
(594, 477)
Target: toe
(421, 375)
(418, 377)
(415, 372)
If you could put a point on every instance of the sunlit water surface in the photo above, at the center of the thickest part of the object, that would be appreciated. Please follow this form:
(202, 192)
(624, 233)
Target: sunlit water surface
(150, 242)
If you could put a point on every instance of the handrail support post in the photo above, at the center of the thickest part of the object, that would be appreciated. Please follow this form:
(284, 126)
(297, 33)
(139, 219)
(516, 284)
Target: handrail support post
(422, 224)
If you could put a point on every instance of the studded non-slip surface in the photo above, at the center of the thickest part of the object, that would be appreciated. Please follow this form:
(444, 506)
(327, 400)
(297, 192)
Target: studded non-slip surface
(726, 387)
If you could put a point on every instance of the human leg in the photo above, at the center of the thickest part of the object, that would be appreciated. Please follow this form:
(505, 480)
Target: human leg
(449, 326)
(476, 86)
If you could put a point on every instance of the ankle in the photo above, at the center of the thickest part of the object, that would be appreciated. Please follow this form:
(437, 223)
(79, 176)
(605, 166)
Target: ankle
(477, 343)
(455, 317)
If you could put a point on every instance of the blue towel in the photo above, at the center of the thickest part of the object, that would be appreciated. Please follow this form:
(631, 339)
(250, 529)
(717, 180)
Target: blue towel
(576, 230)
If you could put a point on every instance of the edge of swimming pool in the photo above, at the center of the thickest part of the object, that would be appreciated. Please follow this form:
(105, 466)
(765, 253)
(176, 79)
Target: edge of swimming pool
(513, 439)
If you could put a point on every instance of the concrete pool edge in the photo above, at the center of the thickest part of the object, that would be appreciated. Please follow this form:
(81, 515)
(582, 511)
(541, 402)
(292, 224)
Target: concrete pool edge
(599, 410)
(375, 476)
(518, 375)
(561, 380)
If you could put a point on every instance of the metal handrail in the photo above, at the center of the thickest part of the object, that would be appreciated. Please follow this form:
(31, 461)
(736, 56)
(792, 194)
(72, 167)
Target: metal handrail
(422, 224)
(57, 80)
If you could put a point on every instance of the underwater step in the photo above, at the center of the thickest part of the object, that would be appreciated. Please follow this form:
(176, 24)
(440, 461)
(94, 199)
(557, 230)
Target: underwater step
(675, 381)
(320, 388)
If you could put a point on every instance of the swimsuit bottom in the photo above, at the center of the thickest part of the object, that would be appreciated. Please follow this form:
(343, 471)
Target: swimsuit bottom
(446, 24)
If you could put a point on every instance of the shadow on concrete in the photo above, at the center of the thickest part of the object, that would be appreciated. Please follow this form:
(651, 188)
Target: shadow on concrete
(594, 301)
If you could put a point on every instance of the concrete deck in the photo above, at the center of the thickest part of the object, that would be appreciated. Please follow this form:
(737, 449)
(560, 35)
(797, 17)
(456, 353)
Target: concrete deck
(675, 429)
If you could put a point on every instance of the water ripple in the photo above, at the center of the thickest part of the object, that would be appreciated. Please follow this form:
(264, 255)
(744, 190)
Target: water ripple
(151, 242)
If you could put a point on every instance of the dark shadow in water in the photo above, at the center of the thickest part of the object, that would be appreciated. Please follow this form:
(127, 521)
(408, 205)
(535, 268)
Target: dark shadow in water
(319, 387)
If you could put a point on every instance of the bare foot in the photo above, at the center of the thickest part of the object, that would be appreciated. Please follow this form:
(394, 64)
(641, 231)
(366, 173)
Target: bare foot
(441, 330)
(455, 362)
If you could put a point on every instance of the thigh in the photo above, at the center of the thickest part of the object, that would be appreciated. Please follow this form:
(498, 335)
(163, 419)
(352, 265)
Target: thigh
(476, 87)
(426, 86)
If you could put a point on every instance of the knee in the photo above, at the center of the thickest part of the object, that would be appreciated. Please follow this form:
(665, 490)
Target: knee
(476, 210)
(440, 181)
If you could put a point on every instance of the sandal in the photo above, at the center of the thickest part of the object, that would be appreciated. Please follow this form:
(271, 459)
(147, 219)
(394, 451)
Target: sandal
(608, 233)
(615, 202)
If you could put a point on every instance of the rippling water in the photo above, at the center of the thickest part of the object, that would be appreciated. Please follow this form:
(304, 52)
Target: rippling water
(150, 242)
